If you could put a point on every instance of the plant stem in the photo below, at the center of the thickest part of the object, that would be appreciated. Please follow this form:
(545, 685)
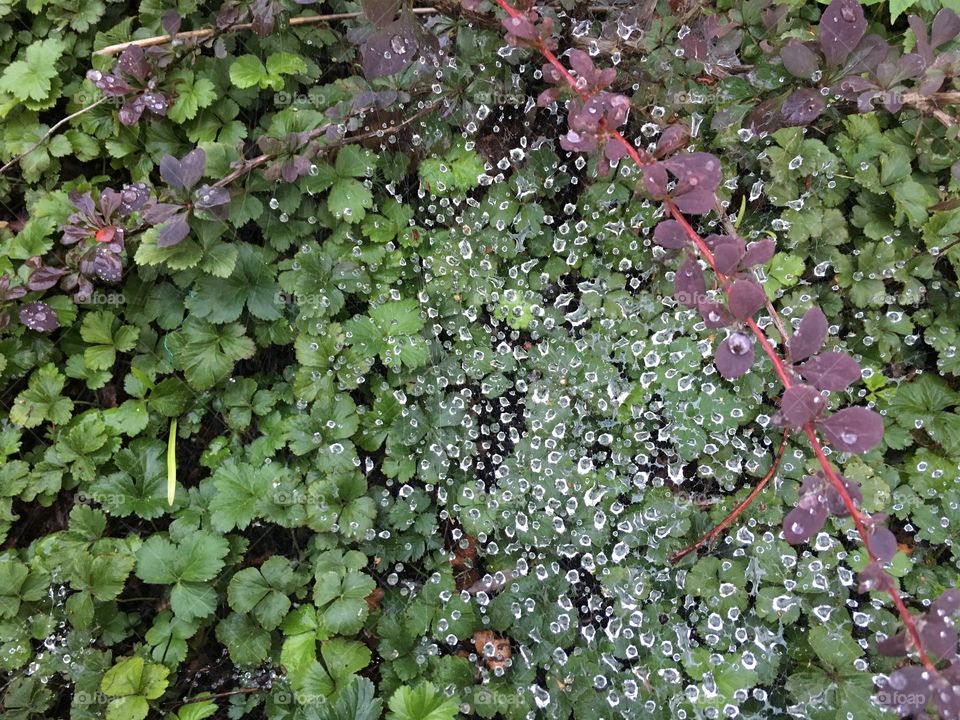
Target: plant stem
(775, 359)
(741, 506)
(205, 33)
(50, 132)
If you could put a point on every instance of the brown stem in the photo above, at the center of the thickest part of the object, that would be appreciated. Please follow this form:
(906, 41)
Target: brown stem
(205, 33)
(50, 132)
(738, 510)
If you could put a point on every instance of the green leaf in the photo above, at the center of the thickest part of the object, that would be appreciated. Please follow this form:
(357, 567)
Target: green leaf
(354, 162)
(198, 558)
(247, 71)
(206, 352)
(423, 702)
(344, 658)
(349, 200)
(247, 643)
(41, 400)
(263, 591)
(283, 63)
(192, 95)
(30, 79)
(239, 489)
(834, 645)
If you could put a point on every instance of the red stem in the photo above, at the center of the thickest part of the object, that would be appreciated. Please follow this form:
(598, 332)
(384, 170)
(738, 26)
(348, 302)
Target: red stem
(735, 513)
(778, 364)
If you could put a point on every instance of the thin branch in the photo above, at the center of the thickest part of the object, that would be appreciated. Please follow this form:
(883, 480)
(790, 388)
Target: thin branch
(256, 162)
(205, 33)
(50, 132)
(738, 510)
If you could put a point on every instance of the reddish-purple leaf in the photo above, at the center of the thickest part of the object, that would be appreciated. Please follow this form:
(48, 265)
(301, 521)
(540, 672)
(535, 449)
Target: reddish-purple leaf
(133, 63)
(714, 314)
(804, 521)
(44, 278)
(170, 21)
(192, 166)
(39, 316)
(655, 180)
(834, 371)
(841, 27)
(801, 404)
(689, 286)
(380, 12)
(835, 504)
(728, 254)
(208, 197)
(946, 26)
(947, 604)
(874, 579)
(939, 639)
(908, 690)
(758, 253)
(810, 336)
(893, 646)
(697, 201)
(854, 430)
(799, 60)
(669, 234)
(392, 48)
(156, 213)
(671, 139)
(745, 298)
(107, 266)
(883, 544)
(802, 107)
(734, 355)
(130, 112)
(173, 231)
(171, 172)
(695, 170)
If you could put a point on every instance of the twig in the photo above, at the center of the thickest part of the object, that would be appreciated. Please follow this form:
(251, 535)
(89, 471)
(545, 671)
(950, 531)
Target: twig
(50, 132)
(741, 506)
(208, 32)
(267, 157)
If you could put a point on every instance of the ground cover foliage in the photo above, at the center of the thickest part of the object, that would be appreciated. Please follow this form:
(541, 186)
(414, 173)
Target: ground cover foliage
(351, 367)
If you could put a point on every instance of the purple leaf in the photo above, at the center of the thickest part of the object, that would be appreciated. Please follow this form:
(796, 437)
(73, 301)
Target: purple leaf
(133, 63)
(835, 504)
(854, 430)
(157, 213)
(810, 336)
(107, 266)
(689, 286)
(133, 197)
(698, 170)
(883, 544)
(109, 85)
(939, 639)
(947, 604)
(380, 12)
(714, 314)
(893, 646)
(697, 201)
(946, 26)
(834, 371)
(39, 317)
(192, 166)
(209, 197)
(802, 107)
(669, 234)
(805, 520)
(801, 404)
(44, 278)
(908, 690)
(745, 298)
(171, 172)
(131, 112)
(671, 139)
(841, 27)
(170, 21)
(655, 180)
(728, 254)
(734, 355)
(874, 579)
(758, 253)
(173, 231)
(799, 60)
(390, 49)
(871, 51)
